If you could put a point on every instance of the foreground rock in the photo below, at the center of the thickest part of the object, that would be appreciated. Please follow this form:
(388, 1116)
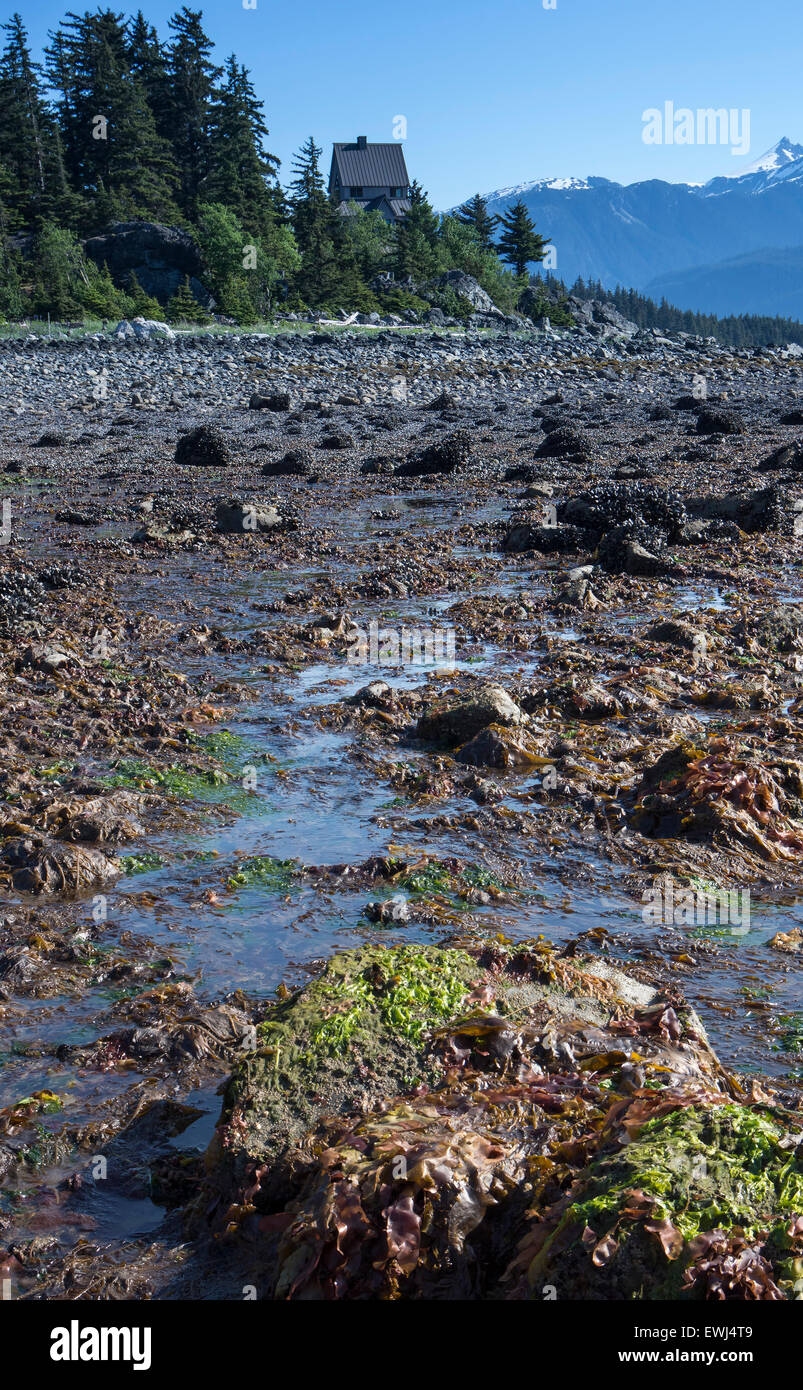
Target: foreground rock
(483, 1122)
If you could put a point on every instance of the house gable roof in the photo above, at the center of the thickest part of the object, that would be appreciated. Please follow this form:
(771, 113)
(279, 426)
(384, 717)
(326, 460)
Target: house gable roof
(370, 166)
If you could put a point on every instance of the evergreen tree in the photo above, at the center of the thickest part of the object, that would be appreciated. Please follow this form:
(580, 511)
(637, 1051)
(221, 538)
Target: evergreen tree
(475, 214)
(114, 155)
(140, 303)
(519, 243)
(34, 184)
(147, 64)
(61, 276)
(187, 114)
(240, 168)
(313, 218)
(417, 238)
(183, 307)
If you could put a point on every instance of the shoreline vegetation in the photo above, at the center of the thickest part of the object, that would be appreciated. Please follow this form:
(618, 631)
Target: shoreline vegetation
(121, 127)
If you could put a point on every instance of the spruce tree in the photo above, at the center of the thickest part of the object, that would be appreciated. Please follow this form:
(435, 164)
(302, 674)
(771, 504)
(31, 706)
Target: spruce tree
(142, 305)
(313, 215)
(519, 243)
(183, 307)
(240, 169)
(114, 155)
(475, 214)
(417, 238)
(34, 185)
(187, 112)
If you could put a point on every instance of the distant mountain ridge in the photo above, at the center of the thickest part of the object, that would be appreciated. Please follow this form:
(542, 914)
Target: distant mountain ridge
(700, 244)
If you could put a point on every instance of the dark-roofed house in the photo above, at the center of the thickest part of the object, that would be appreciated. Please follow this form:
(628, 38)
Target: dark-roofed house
(372, 176)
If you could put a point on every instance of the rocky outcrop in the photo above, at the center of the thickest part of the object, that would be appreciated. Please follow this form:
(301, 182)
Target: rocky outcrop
(485, 1122)
(159, 256)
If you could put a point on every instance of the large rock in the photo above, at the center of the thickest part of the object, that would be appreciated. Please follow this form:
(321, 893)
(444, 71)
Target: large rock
(203, 447)
(235, 517)
(489, 1122)
(466, 287)
(460, 722)
(143, 329)
(159, 256)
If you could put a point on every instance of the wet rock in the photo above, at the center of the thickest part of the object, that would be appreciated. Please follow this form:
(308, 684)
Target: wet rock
(781, 628)
(444, 457)
(564, 442)
(787, 456)
(39, 866)
(677, 633)
(336, 441)
(764, 509)
(497, 747)
(203, 447)
(389, 912)
(548, 540)
(52, 439)
(444, 401)
(241, 518)
(577, 593)
(610, 505)
(375, 695)
(623, 551)
(162, 533)
(712, 421)
(458, 723)
(293, 464)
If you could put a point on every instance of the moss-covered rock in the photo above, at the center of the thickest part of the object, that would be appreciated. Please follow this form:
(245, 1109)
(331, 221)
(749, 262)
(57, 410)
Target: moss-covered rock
(357, 1033)
(703, 1199)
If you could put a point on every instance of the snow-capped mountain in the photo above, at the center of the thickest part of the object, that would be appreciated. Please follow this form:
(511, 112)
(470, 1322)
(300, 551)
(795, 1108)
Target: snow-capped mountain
(782, 164)
(702, 240)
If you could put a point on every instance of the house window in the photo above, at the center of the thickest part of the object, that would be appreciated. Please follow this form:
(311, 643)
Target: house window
(356, 192)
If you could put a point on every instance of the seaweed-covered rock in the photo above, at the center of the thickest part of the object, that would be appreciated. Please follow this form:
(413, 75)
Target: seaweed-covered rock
(704, 1201)
(355, 1031)
(42, 866)
(547, 539)
(444, 457)
(528, 1080)
(460, 722)
(717, 794)
(203, 447)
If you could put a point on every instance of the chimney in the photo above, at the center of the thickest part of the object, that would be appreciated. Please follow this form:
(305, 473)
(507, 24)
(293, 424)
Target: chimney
(362, 141)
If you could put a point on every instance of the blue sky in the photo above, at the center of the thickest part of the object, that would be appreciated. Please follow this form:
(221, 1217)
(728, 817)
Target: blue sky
(494, 94)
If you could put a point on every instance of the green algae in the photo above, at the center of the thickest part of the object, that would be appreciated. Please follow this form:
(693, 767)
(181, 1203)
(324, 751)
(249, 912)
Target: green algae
(400, 991)
(263, 871)
(173, 779)
(706, 1168)
(362, 1023)
(727, 1168)
(406, 992)
(145, 863)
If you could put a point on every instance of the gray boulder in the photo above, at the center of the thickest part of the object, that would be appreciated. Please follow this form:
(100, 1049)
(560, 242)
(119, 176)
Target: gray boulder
(236, 517)
(159, 256)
